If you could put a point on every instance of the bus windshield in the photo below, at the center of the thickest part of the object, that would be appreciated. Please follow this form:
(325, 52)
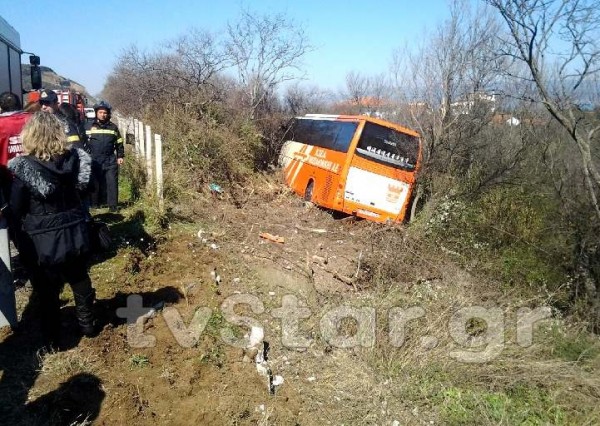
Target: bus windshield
(388, 146)
(335, 135)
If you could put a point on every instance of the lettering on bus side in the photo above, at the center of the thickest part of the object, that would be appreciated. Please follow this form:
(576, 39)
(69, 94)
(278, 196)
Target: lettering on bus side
(314, 160)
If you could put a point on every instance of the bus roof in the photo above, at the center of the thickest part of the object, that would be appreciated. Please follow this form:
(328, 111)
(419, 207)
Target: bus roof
(366, 118)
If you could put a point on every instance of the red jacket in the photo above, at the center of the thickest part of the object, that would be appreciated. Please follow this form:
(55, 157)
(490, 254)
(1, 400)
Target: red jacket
(11, 124)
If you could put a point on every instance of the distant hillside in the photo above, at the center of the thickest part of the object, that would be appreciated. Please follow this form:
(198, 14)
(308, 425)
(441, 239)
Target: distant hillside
(52, 80)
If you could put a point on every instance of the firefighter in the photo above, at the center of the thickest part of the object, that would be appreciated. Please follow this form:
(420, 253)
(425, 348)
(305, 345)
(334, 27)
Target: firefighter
(106, 147)
(49, 103)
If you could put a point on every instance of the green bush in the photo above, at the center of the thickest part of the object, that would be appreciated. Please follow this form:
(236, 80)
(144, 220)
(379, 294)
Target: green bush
(518, 405)
(513, 234)
(573, 347)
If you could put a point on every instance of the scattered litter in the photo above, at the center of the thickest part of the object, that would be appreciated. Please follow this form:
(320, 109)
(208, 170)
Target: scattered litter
(215, 189)
(215, 276)
(395, 423)
(262, 369)
(315, 230)
(258, 349)
(261, 407)
(199, 234)
(257, 334)
(271, 293)
(214, 246)
(236, 280)
(277, 380)
(150, 314)
(311, 379)
(271, 237)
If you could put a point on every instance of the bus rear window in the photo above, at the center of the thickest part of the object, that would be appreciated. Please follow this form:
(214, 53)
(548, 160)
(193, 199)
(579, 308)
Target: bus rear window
(335, 135)
(388, 146)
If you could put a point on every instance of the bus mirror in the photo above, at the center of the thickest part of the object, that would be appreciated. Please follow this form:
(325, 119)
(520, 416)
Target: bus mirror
(34, 60)
(36, 77)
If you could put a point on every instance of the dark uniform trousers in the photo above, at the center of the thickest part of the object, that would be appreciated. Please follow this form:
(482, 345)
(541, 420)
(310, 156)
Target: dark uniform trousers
(106, 146)
(105, 184)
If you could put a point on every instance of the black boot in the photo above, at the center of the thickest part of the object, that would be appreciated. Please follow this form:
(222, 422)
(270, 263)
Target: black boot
(84, 296)
(49, 317)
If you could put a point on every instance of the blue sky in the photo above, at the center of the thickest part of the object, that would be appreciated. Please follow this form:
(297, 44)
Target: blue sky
(86, 37)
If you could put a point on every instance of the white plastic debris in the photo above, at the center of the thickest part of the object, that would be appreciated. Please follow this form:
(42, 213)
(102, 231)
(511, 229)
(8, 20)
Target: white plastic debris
(150, 314)
(311, 379)
(215, 276)
(257, 335)
(199, 234)
(271, 293)
(214, 246)
(277, 380)
(263, 370)
(236, 280)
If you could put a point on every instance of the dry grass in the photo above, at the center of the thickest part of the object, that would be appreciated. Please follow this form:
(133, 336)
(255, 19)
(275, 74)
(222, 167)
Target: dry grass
(554, 381)
(68, 363)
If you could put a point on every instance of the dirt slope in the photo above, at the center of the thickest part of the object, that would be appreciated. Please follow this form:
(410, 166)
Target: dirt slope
(111, 380)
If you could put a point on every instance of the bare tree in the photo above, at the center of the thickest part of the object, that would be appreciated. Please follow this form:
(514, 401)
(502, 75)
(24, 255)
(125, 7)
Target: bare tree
(182, 71)
(365, 94)
(298, 99)
(444, 85)
(453, 65)
(559, 42)
(266, 51)
(358, 87)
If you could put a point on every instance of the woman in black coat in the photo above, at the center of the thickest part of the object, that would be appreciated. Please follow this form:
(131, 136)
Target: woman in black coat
(52, 236)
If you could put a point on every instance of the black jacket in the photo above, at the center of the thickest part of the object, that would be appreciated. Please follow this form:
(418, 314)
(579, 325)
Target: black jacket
(46, 208)
(74, 136)
(104, 139)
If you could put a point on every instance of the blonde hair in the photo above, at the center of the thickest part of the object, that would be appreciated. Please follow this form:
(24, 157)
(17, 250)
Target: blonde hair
(33, 106)
(44, 136)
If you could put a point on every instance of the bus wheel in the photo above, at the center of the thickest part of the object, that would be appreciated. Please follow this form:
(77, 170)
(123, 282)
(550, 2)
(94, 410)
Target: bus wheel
(308, 193)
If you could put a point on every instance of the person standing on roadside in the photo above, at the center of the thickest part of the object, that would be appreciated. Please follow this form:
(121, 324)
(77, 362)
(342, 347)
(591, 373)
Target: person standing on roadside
(69, 111)
(52, 237)
(49, 103)
(106, 148)
(12, 120)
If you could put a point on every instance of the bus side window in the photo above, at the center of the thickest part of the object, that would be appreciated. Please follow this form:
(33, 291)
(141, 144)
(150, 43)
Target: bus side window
(344, 136)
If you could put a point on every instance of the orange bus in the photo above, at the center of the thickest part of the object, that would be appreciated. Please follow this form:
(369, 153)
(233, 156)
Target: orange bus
(358, 165)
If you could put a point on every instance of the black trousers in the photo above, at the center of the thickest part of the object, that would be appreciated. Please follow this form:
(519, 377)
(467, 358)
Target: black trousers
(105, 185)
(48, 281)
